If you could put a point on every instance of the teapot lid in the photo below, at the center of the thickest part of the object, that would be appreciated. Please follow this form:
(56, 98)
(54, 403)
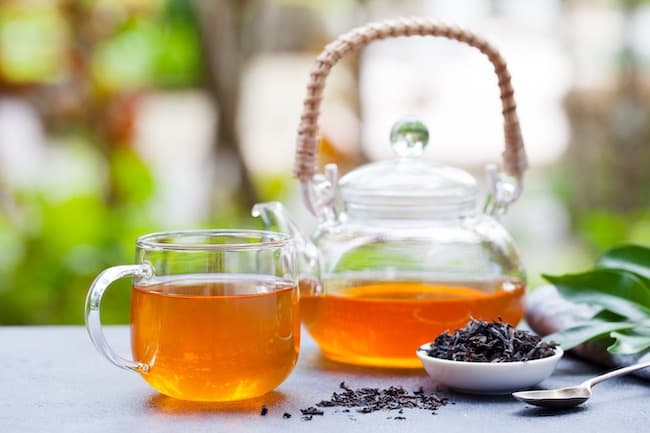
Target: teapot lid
(409, 186)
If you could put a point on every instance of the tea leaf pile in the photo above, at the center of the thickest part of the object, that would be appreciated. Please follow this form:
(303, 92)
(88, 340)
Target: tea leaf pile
(481, 341)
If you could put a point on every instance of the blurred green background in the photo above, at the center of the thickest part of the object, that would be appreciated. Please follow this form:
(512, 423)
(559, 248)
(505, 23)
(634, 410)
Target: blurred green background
(122, 117)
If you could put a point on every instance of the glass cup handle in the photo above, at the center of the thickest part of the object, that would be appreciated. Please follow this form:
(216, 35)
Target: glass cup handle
(93, 302)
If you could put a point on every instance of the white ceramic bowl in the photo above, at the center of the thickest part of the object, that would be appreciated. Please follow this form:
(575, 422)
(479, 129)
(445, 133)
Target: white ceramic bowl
(488, 377)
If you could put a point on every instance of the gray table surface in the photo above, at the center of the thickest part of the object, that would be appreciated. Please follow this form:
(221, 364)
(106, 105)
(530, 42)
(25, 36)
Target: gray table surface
(52, 380)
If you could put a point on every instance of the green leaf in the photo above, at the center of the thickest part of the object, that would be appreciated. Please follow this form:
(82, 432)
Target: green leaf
(571, 337)
(613, 304)
(619, 287)
(619, 291)
(630, 341)
(632, 258)
(608, 316)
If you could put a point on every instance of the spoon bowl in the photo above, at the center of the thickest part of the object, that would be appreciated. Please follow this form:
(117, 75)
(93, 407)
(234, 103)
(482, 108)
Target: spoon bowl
(575, 395)
(488, 377)
(555, 398)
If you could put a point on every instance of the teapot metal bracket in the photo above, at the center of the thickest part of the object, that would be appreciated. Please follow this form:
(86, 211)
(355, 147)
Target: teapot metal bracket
(319, 192)
(503, 191)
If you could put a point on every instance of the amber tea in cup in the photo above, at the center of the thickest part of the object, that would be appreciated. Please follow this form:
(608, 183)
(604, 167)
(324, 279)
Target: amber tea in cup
(214, 314)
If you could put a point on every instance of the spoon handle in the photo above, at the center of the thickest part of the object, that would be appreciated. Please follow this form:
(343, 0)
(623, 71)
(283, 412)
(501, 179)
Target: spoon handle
(621, 371)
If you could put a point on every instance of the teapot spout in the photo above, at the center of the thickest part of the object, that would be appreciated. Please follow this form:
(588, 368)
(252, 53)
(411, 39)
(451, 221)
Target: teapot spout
(275, 215)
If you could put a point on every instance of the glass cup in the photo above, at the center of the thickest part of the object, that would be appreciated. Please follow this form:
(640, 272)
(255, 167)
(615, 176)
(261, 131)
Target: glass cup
(214, 313)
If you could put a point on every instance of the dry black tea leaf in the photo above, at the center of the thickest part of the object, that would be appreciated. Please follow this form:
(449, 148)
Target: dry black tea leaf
(368, 400)
(481, 341)
(308, 414)
(311, 410)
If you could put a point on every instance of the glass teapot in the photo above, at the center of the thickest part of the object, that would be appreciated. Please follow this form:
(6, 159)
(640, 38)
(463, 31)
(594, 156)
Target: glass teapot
(411, 253)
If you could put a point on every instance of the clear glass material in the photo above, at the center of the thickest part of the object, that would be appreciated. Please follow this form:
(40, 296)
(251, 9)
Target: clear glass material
(390, 285)
(214, 314)
(408, 257)
(374, 289)
(409, 184)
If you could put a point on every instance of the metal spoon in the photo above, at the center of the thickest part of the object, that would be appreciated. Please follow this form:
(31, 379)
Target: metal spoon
(573, 395)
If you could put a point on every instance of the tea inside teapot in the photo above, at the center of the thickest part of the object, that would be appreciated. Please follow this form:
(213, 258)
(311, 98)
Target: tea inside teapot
(379, 323)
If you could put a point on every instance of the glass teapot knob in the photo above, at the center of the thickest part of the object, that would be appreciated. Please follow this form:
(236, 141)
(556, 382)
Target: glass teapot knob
(409, 137)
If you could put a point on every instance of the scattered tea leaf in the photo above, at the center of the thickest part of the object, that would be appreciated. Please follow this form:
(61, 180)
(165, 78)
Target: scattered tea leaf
(368, 400)
(311, 411)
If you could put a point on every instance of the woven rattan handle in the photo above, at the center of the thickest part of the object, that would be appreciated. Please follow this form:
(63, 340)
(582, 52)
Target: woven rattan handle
(514, 156)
